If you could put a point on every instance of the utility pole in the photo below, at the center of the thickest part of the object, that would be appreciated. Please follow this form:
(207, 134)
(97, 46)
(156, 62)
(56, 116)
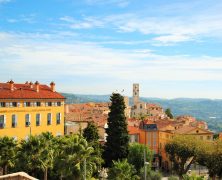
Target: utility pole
(84, 169)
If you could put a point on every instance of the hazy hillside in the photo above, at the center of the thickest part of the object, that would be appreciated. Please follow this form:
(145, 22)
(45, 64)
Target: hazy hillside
(203, 109)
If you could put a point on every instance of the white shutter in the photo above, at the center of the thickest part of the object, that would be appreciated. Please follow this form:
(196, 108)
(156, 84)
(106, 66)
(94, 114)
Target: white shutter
(29, 119)
(18, 104)
(4, 122)
(16, 118)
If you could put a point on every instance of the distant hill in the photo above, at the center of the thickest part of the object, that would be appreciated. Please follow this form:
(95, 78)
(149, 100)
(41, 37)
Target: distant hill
(203, 109)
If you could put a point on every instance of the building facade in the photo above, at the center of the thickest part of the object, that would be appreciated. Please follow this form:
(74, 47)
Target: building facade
(30, 109)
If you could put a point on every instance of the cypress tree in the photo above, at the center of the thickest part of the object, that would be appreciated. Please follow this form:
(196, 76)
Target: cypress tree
(90, 133)
(117, 144)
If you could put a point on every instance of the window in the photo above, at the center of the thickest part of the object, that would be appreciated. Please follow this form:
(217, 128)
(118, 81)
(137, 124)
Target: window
(154, 139)
(2, 121)
(58, 103)
(48, 103)
(37, 119)
(38, 103)
(27, 104)
(13, 104)
(49, 119)
(149, 138)
(2, 104)
(141, 106)
(201, 137)
(58, 118)
(27, 120)
(208, 138)
(14, 120)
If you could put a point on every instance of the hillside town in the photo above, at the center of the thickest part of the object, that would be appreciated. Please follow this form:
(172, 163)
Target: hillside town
(29, 109)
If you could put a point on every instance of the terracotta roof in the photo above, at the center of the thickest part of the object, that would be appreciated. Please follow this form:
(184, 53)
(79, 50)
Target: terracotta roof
(27, 91)
(187, 129)
(133, 130)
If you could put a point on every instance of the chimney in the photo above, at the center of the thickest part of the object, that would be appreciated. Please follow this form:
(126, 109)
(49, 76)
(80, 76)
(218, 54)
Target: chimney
(11, 85)
(31, 84)
(37, 86)
(26, 82)
(52, 84)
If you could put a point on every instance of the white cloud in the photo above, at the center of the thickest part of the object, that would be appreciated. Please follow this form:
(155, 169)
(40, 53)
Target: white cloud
(5, 1)
(31, 58)
(119, 3)
(85, 23)
(30, 18)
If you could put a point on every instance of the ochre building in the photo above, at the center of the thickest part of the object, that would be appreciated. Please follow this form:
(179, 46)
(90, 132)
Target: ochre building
(30, 109)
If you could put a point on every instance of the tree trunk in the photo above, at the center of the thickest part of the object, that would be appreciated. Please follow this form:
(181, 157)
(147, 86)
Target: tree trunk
(46, 174)
(5, 170)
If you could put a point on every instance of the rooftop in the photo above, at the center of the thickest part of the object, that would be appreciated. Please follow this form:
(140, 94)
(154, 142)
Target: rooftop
(11, 90)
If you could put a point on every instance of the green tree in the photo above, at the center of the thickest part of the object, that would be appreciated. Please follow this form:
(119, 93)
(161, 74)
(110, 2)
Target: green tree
(211, 157)
(183, 151)
(169, 113)
(136, 155)
(90, 133)
(122, 170)
(70, 158)
(36, 154)
(47, 153)
(117, 145)
(7, 153)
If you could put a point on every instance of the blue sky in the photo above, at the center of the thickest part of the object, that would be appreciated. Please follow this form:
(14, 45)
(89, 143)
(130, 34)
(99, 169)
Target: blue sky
(172, 48)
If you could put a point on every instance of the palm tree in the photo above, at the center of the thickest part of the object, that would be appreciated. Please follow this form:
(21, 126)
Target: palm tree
(122, 170)
(8, 150)
(70, 158)
(36, 154)
(47, 153)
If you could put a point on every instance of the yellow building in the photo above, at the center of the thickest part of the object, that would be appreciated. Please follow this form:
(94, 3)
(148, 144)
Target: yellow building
(30, 109)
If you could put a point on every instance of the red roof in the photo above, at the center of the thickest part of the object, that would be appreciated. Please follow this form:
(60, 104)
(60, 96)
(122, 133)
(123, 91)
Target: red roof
(25, 91)
(133, 130)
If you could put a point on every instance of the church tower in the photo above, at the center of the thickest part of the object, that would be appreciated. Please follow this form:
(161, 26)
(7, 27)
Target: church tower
(135, 94)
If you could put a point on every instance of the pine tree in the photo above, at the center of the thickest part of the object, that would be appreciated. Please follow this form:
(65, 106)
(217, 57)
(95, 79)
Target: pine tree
(117, 145)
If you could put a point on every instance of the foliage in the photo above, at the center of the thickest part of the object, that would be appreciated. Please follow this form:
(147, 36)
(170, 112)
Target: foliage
(192, 177)
(69, 160)
(8, 151)
(122, 170)
(169, 113)
(117, 145)
(136, 155)
(183, 151)
(173, 178)
(150, 175)
(211, 157)
(36, 154)
(90, 133)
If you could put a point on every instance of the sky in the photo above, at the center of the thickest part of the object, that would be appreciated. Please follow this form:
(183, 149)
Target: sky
(171, 48)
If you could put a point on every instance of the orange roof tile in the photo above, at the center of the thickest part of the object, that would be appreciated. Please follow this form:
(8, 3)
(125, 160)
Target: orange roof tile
(25, 91)
(133, 130)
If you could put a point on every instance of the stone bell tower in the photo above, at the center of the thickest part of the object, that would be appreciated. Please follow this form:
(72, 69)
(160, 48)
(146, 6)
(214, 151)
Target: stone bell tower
(135, 94)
